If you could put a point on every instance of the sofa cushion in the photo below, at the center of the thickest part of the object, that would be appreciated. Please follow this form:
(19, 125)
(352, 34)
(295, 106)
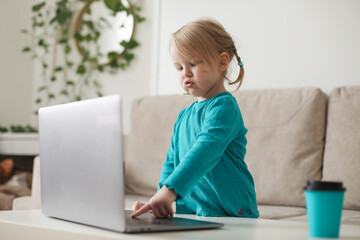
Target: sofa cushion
(285, 141)
(351, 217)
(152, 124)
(280, 212)
(342, 150)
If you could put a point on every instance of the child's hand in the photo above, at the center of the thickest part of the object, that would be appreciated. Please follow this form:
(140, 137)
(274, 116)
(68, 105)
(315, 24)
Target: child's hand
(160, 204)
(137, 205)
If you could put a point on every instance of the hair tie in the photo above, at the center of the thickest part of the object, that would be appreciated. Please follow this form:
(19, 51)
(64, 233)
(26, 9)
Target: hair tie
(240, 64)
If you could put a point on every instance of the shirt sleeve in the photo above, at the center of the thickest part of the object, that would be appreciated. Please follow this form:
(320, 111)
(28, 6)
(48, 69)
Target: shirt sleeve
(218, 129)
(168, 165)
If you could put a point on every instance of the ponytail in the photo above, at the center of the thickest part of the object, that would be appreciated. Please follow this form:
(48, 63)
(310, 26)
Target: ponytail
(241, 73)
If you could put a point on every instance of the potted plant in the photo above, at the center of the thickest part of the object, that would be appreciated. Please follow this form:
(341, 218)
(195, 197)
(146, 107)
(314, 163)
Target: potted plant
(67, 42)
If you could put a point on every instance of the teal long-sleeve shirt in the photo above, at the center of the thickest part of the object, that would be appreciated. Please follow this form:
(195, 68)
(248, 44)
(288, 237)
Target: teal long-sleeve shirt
(205, 161)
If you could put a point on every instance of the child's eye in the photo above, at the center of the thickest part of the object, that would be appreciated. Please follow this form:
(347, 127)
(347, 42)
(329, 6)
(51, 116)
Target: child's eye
(195, 63)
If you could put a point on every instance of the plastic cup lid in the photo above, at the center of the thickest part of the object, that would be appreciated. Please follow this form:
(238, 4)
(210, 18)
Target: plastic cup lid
(324, 186)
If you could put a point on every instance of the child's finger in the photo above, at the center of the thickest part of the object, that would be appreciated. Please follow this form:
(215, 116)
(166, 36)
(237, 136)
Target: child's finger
(156, 211)
(169, 210)
(163, 211)
(142, 210)
(137, 205)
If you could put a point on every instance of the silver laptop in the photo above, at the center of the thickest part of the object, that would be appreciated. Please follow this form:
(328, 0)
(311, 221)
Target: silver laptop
(82, 169)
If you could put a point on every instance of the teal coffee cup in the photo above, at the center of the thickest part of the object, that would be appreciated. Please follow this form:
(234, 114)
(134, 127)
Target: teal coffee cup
(324, 202)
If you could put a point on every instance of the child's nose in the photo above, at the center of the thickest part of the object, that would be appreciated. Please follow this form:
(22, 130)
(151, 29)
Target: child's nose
(187, 73)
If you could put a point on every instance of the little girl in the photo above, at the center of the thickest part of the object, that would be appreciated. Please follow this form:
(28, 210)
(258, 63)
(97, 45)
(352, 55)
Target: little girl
(204, 170)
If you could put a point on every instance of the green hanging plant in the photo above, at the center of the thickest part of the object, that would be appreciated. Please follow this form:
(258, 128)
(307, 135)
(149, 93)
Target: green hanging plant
(18, 129)
(58, 27)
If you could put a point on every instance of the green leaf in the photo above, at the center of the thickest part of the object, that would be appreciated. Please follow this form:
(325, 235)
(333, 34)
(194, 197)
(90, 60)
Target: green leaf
(63, 13)
(128, 56)
(58, 69)
(88, 11)
(140, 19)
(122, 66)
(24, 31)
(90, 25)
(26, 49)
(88, 37)
(100, 94)
(3, 129)
(78, 98)
(41, 42)
(38, 101)
(45, 65)
(133, 44)
(36, 112)
(17, 128)
(100, 68)
(37, 7)
(114, 64)
(67, 49)
(69, 64)
(70, 83)
(53, 79)
(51, 96)
(97, 84)
(64, 92)
(54, 19)
(130, 44)
(112, 55)
(42, 88)
(114, 5)
(92, 59)
(97, 35)
(29, 128)
(40, 24)
(81, 69)
(63, 40)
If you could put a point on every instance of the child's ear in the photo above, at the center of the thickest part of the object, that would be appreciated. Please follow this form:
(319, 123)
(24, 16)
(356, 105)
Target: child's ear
(224, 60)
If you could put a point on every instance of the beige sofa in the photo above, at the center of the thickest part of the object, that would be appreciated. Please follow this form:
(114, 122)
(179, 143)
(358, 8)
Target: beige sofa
(294, 135)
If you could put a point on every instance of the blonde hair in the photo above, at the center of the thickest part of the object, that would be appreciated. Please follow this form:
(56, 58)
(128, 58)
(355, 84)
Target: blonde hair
(206, 38)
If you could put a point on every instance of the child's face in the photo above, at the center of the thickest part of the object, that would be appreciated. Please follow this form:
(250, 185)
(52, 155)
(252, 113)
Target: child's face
(197, 77)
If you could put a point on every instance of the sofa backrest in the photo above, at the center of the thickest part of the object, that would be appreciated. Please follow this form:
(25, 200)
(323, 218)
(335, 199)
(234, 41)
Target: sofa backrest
(152, 123)
(342, 149)
(285, 140)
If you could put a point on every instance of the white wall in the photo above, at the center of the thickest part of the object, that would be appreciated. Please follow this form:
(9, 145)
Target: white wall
(282, 43)
(15, 67)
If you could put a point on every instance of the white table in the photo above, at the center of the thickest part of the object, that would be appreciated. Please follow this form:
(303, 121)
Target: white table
(32, 224)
